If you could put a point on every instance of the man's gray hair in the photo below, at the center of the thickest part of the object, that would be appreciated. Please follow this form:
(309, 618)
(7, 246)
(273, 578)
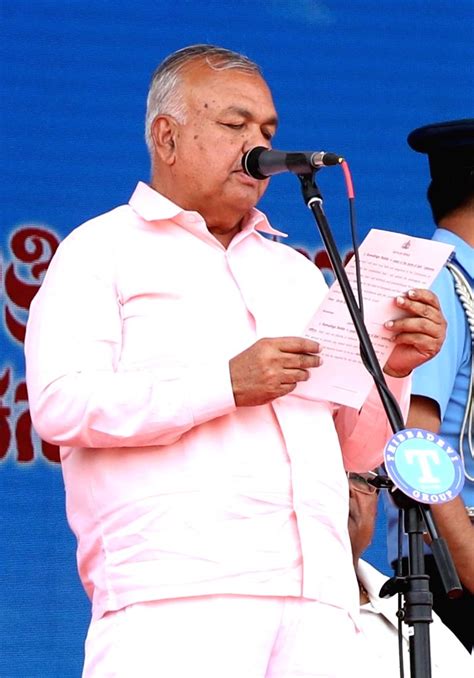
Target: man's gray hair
(165, 96)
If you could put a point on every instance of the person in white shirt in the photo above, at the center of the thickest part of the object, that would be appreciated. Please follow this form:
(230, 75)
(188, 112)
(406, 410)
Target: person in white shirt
(378, 619)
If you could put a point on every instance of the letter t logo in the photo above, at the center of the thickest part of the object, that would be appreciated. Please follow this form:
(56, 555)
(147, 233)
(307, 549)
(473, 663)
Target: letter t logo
(423, 458)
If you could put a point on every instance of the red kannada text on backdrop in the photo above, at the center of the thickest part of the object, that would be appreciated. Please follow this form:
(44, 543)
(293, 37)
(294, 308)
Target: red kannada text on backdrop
(32, 248)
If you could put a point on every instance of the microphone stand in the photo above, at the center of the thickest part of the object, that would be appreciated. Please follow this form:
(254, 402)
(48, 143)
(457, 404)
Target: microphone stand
(417, 612)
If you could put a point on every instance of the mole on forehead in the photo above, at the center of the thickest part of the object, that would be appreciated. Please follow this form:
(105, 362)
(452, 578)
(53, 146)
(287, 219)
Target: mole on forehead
(230, 109)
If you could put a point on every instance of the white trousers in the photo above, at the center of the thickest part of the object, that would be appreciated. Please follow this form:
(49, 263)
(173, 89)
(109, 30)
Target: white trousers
(222, 637)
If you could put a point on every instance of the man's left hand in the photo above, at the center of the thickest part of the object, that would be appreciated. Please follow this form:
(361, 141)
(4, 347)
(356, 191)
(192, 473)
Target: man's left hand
(418, 336)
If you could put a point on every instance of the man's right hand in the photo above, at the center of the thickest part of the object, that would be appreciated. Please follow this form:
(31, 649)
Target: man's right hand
(271, 368)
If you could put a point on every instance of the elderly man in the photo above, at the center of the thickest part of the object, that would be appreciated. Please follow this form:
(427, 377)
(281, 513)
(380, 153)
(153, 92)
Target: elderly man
(209, 500)
(378, 652)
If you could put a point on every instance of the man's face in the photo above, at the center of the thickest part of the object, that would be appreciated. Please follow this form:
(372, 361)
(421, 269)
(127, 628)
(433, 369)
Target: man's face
(362, 515)
(228, 112)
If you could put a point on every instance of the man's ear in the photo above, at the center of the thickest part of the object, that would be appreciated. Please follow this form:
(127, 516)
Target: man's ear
(164, 132)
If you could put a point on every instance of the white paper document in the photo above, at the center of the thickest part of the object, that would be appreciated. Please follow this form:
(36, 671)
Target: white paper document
(391, 264)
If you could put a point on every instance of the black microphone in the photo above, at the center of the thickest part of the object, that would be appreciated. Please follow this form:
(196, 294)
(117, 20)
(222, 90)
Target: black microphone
(261, 163)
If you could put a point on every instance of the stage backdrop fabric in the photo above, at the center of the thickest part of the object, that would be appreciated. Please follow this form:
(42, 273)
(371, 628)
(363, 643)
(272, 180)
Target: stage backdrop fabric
(349, 77)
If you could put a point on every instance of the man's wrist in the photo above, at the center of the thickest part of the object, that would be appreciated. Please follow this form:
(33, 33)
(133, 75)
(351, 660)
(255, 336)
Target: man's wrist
(393, 373)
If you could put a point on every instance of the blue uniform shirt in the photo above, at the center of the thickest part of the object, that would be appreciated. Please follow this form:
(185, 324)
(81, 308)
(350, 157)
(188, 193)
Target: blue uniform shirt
(445, 378)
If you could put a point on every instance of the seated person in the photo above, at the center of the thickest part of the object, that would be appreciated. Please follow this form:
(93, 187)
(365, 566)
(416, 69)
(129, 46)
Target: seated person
(379, 622)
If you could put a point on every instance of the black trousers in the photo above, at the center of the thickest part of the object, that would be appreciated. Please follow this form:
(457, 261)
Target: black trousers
(458, 615)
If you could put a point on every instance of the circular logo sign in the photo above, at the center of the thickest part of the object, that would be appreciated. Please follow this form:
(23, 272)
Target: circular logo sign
(424, 466)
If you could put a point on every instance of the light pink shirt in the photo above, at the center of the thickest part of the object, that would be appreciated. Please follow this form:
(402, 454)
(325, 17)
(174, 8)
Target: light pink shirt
(171, 489)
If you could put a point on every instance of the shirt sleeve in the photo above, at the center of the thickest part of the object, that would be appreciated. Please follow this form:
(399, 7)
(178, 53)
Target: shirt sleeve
(363, 434)
(78, 395)
(435, 378)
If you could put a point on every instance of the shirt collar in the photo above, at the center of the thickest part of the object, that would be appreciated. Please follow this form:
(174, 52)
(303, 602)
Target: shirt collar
(372, 580)
(152, 206)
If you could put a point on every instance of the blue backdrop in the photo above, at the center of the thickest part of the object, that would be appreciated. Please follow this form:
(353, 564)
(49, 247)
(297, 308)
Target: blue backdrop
(349, 76)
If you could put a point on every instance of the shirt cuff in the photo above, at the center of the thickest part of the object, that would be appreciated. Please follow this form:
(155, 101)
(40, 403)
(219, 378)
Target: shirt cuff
(210, 393)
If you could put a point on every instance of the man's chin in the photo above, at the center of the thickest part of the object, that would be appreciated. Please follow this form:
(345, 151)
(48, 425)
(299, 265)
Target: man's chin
(249, 195)
(233, 204)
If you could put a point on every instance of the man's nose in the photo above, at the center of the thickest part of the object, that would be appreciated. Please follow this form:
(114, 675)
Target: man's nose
(256, 138)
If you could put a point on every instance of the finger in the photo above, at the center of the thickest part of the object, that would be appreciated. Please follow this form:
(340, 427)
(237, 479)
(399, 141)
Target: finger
(286, 388)
(420, 308)
(294, 376)
(298, 345)
(301, 361)
(425, 296)
(421, 326)
(421, 302)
